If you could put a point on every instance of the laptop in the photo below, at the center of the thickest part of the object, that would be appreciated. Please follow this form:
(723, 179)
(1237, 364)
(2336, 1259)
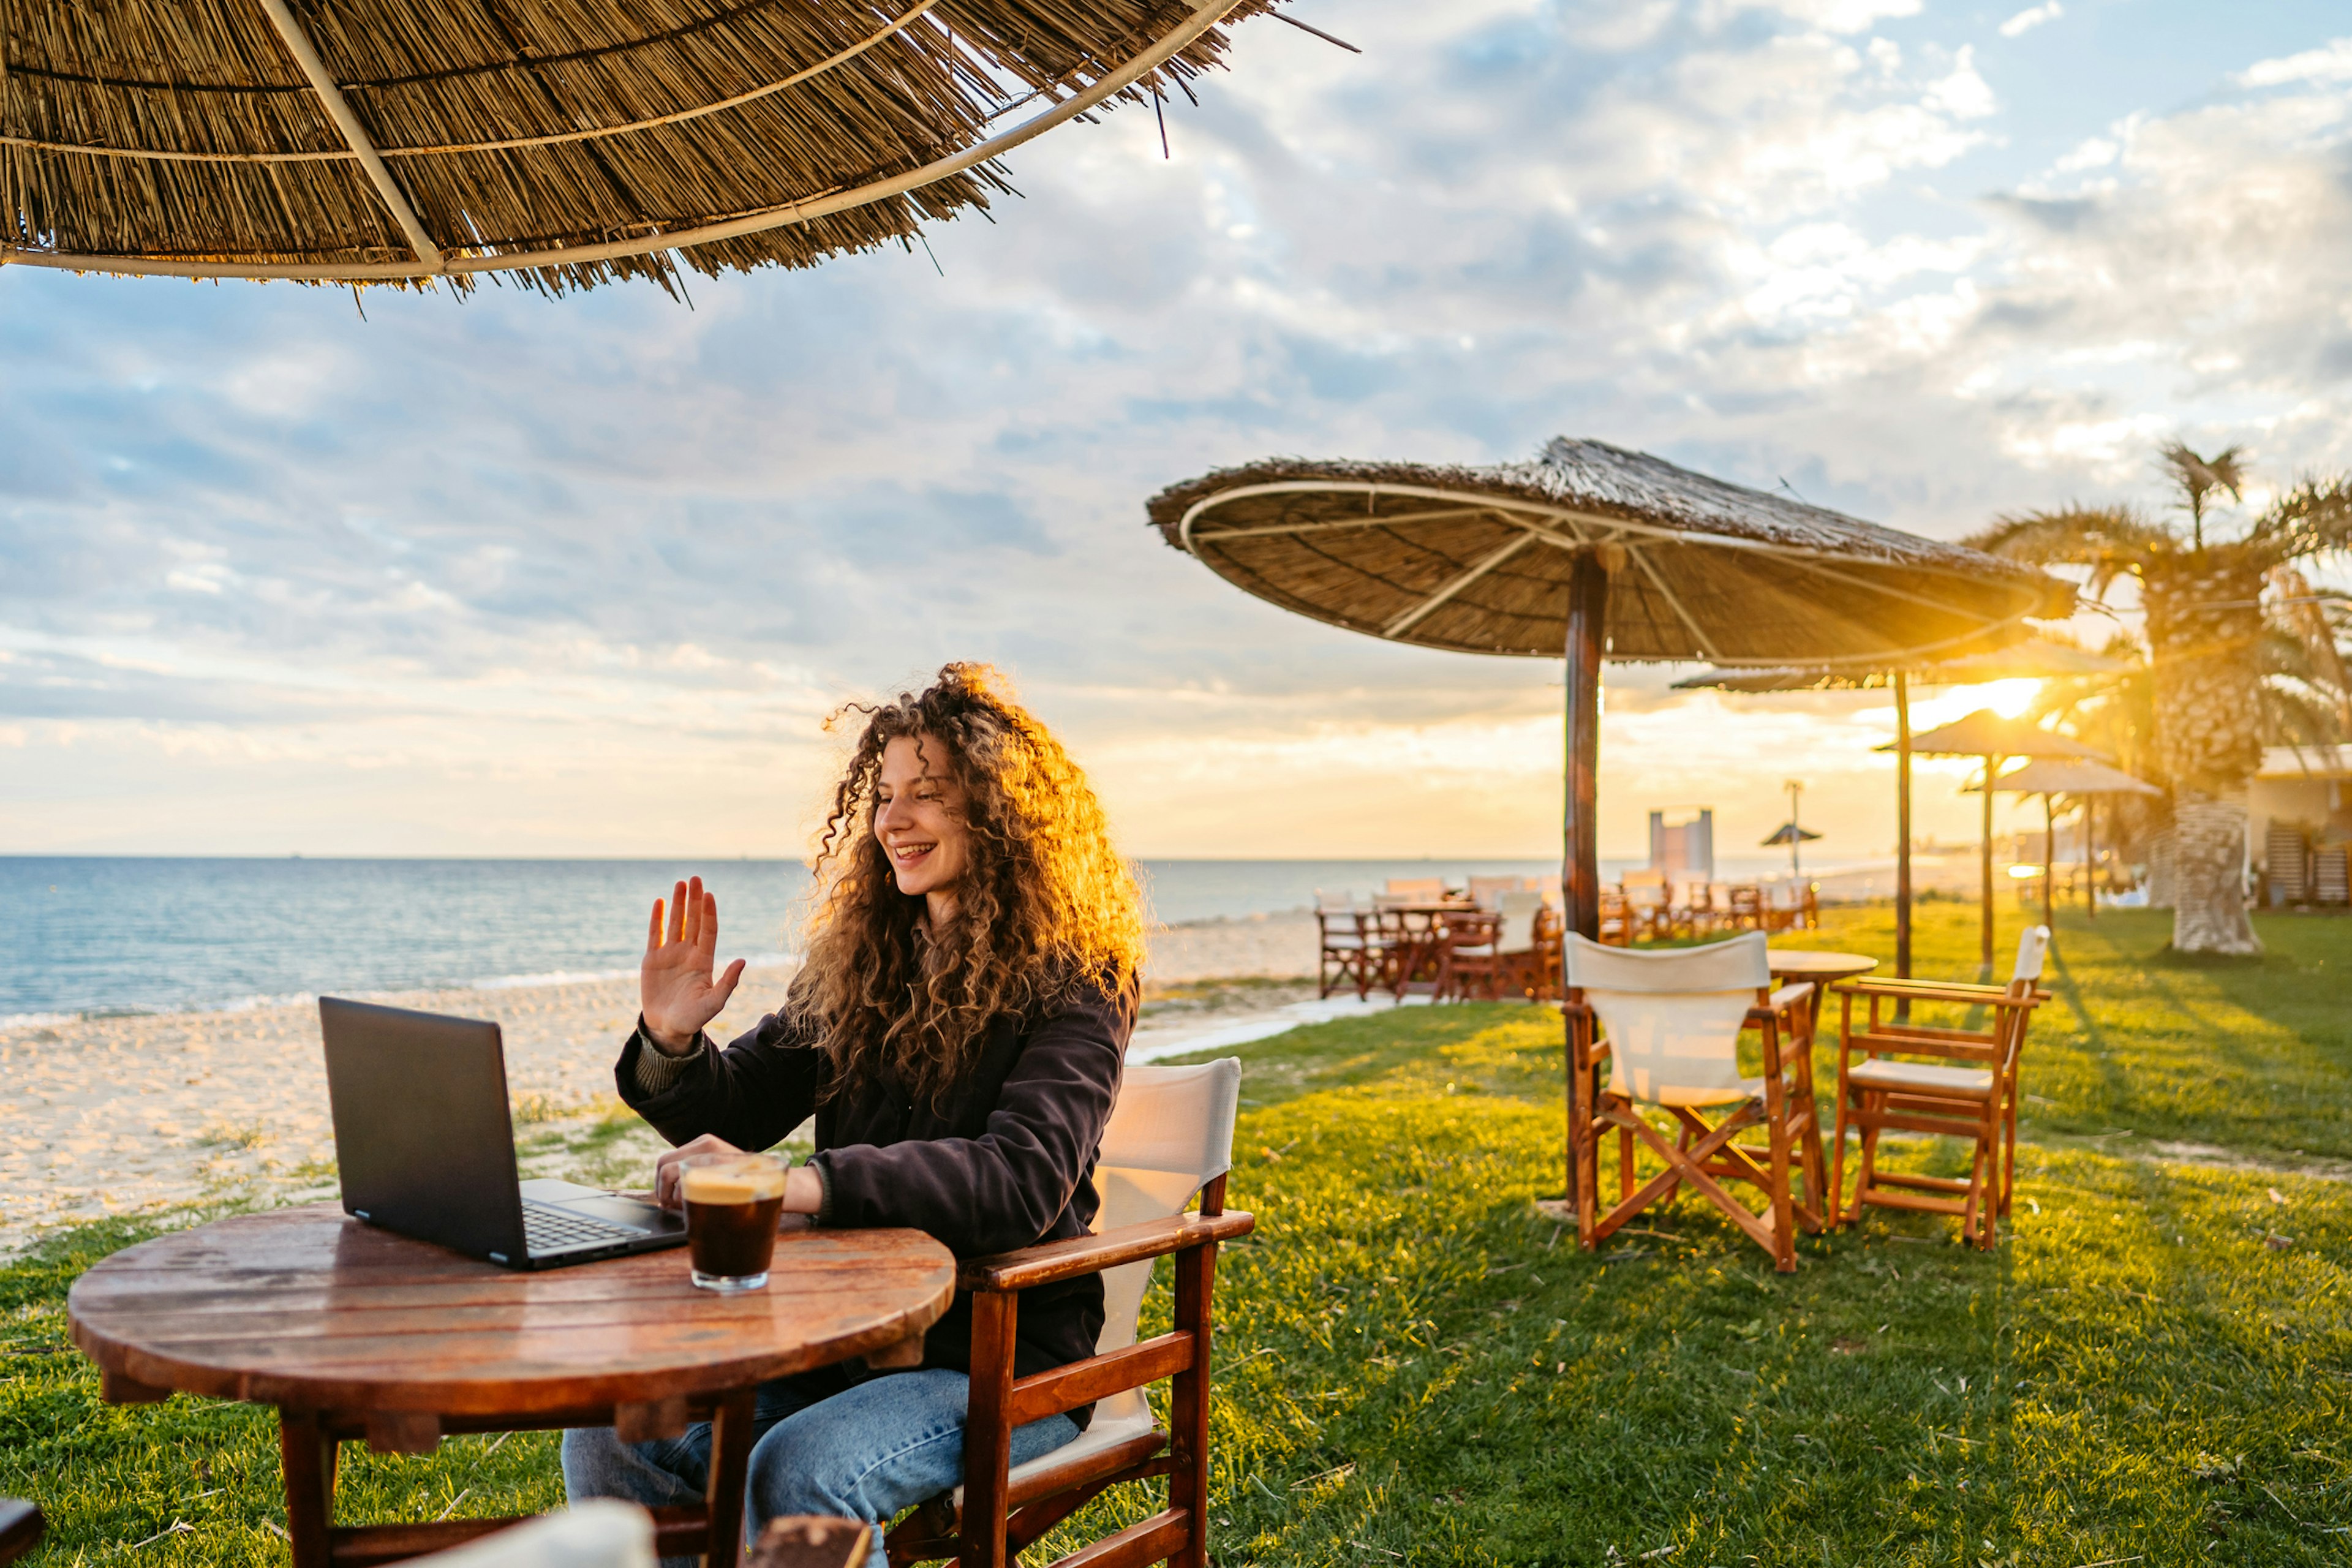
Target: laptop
(427, 1147)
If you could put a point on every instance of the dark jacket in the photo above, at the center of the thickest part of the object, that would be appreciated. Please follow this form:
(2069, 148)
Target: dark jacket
(1007, 1159)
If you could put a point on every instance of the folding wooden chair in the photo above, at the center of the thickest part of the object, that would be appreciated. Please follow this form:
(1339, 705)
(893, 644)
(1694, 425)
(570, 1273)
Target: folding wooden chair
(1348, 945)
(1650, 902)
(1747, 909)
(1696, 915)
(1467, 964)
(1616, 927)
(1672, 1022)
(1486, 892)
(1170, 1137)
(1877, 1090)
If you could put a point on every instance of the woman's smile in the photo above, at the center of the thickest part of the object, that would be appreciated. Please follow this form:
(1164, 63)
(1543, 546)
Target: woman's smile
(918, 822)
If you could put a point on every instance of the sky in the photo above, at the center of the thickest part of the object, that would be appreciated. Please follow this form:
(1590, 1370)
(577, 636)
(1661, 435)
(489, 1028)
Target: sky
(508, 575)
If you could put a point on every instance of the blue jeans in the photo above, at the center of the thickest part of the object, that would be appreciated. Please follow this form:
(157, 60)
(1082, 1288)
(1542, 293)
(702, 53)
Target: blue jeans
(826, 1442)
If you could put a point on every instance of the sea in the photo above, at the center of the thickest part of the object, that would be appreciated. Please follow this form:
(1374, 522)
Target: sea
(100, 935)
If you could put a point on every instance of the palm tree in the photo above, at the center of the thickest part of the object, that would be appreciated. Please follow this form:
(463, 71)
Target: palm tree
(2213, 643)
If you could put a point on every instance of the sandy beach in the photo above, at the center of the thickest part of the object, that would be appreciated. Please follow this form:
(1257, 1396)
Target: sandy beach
(114, 1114)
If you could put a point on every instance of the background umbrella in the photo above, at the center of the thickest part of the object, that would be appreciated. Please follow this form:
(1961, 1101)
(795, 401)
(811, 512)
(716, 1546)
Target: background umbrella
(2032, 657)
(1789, 834)
(2086, 780)
(1595, 552)
(567, 142)
(1985, 733)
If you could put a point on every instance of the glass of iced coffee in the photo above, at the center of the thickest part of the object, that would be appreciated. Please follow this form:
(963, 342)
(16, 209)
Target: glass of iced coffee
(732, 1202)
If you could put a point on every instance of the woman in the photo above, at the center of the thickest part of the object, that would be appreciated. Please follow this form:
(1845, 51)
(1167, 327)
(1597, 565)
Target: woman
(957, 1029)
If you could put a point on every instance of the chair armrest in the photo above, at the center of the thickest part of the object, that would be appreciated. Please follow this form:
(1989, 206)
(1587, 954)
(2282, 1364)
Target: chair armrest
(1052, 1260)
(1940, 991)
(1779, 1002)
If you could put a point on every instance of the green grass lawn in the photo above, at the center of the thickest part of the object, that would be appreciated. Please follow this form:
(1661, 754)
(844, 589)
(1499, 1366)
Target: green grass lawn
(1414, 1366)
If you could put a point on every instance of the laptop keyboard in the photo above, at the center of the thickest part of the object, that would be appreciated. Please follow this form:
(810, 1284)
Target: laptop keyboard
(545, 1230)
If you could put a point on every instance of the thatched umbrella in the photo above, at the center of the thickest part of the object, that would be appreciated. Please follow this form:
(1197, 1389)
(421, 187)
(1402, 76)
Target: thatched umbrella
(1985, 733)
(563, 142)
(2086, 780)
(2035, 659)
(1599, 553)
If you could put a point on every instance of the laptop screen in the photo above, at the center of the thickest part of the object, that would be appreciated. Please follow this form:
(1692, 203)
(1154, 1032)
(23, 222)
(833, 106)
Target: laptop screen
(423, 1139)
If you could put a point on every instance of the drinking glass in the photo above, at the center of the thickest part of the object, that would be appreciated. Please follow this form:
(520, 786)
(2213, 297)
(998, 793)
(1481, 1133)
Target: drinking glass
(732, 1203)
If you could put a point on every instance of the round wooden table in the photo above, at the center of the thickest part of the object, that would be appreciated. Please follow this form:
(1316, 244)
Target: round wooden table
(353, 1331)
(1823, 969)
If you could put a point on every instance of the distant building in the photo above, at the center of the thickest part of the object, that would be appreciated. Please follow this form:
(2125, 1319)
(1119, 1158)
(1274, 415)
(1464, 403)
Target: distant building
(1683, 852)
(2299, 818)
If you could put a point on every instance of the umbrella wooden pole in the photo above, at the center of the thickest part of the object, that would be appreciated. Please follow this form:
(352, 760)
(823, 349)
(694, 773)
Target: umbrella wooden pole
(1580, 870)
(1984, 856)
(1902, 833)
(2049, 854)
(1588, 607)
(2090, 858)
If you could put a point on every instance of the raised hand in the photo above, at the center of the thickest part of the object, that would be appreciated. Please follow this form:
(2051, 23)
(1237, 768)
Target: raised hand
(677, 993)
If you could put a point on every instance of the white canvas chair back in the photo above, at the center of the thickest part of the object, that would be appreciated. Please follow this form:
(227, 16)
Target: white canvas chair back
(1518, 911)
(1334, 903)
(602, 1533)
(1673, 1017)
(1487, 892)
(1171, 1134)
(2033, 947)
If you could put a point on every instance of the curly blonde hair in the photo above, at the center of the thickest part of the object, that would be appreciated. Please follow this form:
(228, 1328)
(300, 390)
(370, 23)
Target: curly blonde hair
(1045, 905)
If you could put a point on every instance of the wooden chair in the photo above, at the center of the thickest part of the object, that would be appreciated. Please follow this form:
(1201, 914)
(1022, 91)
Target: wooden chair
(1410, 938)
(1672, 1021)
(1486, 892)
(1347, 948)
(1471, 966)
(1696, 915)
(1747, 912)
(1616, 926)
(21, 1527)
(1170, 1137)
(1544, 963)
(1650, 903)
(1878, 1091)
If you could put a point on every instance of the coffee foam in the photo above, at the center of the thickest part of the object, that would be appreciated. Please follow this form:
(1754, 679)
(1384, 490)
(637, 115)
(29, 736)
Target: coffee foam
(743, 1182)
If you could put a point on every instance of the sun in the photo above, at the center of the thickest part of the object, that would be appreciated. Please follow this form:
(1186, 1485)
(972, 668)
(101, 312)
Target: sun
(2007, 698)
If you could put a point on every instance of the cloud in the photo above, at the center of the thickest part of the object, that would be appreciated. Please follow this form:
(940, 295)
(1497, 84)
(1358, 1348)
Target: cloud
(2033, 16)
(2330, 63)
(519, 571)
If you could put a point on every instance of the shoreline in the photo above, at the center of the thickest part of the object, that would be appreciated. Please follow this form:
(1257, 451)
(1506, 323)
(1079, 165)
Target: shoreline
(121, 1112)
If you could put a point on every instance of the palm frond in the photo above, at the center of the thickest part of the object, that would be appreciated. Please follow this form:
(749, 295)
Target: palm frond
(2313, 519)
(2200, 477)
(2110, 540)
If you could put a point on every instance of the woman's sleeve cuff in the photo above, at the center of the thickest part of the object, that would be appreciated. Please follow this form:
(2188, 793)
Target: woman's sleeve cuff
(824, 1190)
(657, 1070)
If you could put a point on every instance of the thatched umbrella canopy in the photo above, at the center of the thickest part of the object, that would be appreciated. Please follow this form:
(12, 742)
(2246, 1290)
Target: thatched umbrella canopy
(1478, 560)
(2086, 780)
(1596, 553)
(2033, 658)
(567, 142)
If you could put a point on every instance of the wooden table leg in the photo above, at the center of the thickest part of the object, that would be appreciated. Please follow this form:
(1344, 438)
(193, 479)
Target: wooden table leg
(306, 1454)
(730, 1458)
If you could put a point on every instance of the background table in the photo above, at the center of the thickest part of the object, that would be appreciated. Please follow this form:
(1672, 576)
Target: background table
(1823, 969)
(353, 1331)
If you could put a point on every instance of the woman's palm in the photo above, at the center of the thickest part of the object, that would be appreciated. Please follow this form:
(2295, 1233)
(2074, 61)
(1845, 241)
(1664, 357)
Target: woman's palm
(677, 988)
